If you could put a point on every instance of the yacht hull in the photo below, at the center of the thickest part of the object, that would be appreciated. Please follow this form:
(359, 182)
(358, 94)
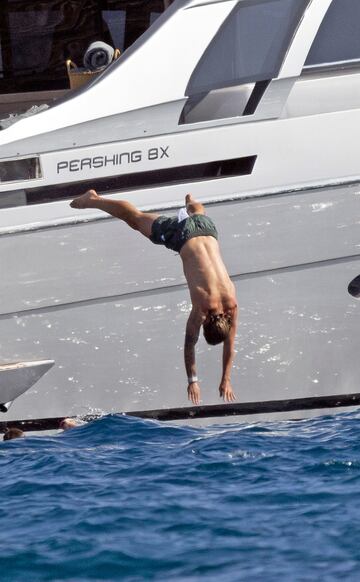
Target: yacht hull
(110, 309)
(264, 102)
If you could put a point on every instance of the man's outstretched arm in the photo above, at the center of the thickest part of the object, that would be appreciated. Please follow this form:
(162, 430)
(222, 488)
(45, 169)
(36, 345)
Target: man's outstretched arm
(225, 389)
(191, 337)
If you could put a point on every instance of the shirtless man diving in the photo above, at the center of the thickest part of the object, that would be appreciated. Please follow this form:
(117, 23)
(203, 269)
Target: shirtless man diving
(212, 292)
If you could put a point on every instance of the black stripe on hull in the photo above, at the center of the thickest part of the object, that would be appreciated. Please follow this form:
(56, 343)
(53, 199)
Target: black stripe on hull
(190, 173)
(201, 412)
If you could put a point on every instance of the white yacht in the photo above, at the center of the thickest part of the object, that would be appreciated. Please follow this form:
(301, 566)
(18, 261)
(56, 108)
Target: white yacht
(254, 107)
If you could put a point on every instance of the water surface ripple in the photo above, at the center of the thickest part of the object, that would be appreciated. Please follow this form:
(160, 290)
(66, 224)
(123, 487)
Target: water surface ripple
(127, 499)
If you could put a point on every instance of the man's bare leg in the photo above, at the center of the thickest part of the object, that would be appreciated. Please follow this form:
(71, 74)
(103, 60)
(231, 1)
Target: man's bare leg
(122, 209)
(192, 206)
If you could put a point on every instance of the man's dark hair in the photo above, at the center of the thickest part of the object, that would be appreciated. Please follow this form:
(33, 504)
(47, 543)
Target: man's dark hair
(217, 328)
(13, 433)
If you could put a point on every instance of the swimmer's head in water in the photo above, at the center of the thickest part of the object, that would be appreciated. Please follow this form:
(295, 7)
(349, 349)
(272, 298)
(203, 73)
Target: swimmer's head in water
(13, 433)
(68, 423)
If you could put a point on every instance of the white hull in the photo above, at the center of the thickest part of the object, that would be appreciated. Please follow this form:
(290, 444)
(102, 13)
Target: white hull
(113, 316)
(276, 160)
(17, 378)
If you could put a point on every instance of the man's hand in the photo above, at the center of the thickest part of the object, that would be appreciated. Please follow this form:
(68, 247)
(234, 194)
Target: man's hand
(226, 392)
(194, 393)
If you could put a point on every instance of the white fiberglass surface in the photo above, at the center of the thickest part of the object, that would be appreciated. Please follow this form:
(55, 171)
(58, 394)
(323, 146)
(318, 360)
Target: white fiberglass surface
(104, 313)
(97, 258)
(303, 38)
(296, 338)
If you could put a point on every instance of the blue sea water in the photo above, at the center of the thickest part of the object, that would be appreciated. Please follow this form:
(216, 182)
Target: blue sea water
(127, 499)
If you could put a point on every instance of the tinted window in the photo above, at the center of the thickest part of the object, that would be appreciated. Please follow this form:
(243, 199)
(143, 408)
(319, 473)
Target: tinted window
(250, 46)
(1, 63)
(37, 36)
(338, 38)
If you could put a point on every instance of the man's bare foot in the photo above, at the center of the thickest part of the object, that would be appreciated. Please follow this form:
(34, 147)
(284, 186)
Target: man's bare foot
(188, 201)
(192, 206)
(87, 200)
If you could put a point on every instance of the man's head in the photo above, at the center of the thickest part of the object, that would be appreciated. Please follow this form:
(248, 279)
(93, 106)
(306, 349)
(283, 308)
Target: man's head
(216, 328)
(13, 433)
(68, 423)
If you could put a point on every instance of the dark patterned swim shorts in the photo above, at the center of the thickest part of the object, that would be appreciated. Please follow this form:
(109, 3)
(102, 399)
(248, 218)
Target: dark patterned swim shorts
(173, 234)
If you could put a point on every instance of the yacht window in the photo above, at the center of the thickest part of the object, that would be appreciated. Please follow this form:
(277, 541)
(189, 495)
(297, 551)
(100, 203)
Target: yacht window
(1, 63)
(37, 36)
(249, 47)
(32, 43)
(338, 38)
(116, 21)
(20, 170)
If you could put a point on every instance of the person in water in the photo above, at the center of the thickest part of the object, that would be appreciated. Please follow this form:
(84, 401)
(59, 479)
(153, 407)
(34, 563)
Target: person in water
(68, 423)
(13, 433)
(193, 235)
